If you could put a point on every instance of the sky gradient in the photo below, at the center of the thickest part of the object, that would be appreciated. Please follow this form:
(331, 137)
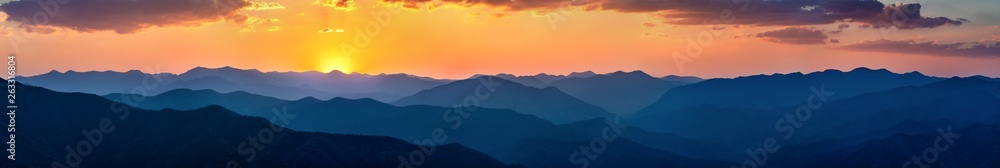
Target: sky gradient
(457, 39)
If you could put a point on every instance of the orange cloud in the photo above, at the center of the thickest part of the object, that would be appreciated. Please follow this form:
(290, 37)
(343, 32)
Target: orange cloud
(345, 5)
(795, 35)
(264, 6)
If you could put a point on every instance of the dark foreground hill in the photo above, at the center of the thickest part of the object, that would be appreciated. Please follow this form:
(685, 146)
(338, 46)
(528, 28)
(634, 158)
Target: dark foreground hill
(81, 130)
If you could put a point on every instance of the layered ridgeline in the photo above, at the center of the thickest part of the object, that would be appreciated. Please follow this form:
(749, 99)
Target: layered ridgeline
(283, 85)
(724, 109)
(504, 134)
(541, 80)
(843, 125)
(769, 91)
(548, 103)
(620, 93)
(875, 119)
(971, 146)
(83, 130)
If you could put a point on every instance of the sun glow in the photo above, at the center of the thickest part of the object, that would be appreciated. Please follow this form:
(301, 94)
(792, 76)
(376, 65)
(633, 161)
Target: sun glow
(335, 62)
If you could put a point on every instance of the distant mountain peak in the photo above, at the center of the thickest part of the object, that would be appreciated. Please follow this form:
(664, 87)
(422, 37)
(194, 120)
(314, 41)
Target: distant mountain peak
(636, 73)
(309, 99)
(861, 69)
(915, 73)
(855, 71)
(959, 82)
(336, 72)
(583, 74)
(982, 77)
(197, 69)
(492, 79)
(130, 72)
(832, 71)
(227, 68)
(504, 75)
(866, 69)
(362, 101)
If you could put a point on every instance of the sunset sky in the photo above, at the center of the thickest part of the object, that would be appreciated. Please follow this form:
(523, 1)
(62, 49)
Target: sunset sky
(457, 39)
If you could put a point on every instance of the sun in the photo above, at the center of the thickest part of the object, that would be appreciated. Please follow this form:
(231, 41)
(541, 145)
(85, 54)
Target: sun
(335, 62)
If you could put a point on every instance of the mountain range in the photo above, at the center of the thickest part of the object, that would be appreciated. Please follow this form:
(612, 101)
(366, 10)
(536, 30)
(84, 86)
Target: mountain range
(858, 118)
(619, 93)
(90, 131)
(548, 103)
(508, 130)
(283, 85)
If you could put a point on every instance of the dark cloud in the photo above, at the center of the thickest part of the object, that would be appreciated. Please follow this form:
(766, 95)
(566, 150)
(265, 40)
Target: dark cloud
(972, 50)
(843, 26)
(795, 35)
(346, 5)
(264, 6)
(656, 34)
(840, 28)
(743, 12)
(907, 16)
(647, 24)
(504, 4)
(805, 12)
(498, 15)
(121, 16)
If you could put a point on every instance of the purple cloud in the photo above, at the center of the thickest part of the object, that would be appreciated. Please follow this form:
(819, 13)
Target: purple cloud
(121, 16)
(971, 50)
(795, 35)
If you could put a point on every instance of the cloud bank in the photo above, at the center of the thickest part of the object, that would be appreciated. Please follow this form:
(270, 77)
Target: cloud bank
(970, 50)
(746, 12)
(120, 16)
(795, 35)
